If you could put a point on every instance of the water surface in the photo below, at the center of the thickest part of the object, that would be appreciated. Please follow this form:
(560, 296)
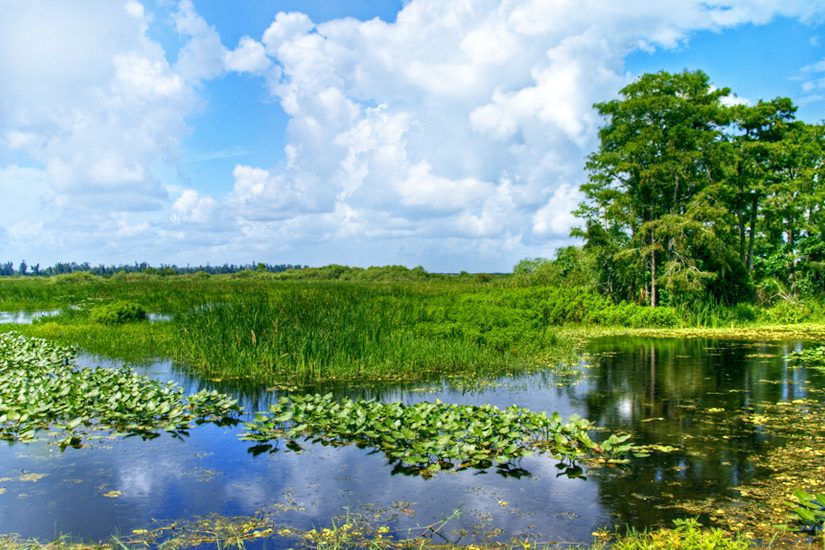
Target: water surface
(681, 393)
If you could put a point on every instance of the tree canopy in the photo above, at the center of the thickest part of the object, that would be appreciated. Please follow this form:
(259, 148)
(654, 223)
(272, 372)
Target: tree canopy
(691, 195)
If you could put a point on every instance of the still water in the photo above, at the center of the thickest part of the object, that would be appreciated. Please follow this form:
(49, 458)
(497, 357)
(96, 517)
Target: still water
(674, 392)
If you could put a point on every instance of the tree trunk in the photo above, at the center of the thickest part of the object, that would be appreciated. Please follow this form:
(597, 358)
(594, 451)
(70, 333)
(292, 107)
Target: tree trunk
(652, 278)
(752, 236)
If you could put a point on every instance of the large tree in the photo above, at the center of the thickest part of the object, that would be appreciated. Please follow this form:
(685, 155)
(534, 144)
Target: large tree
(650, 198)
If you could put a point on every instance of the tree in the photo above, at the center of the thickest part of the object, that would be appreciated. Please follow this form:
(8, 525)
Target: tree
(759, 132)
(648, 200)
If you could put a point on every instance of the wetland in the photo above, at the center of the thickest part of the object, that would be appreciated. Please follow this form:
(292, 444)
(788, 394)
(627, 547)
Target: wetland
(724, 426)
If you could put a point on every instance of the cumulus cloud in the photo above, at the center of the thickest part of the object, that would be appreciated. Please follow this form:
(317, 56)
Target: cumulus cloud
(249, 56)
(93, 101)
(459, 129)
(458, 120)
(192, 207)
(202, 57)
(97, 110)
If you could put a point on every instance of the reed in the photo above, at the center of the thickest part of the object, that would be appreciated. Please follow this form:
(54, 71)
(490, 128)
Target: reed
(327, 332)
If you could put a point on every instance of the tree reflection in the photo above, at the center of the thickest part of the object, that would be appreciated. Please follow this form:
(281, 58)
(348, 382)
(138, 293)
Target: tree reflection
(695, 395)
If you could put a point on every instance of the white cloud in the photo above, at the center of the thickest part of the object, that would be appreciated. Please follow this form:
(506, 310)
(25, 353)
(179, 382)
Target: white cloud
(285, 27)
(459, 129)
(203, 55)
(459, 120)
(192, 207)
(555, 217)
(422, 188)
(141, 76)
(249, 56)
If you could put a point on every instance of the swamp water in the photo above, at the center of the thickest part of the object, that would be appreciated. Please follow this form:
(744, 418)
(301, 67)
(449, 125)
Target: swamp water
(697, 400)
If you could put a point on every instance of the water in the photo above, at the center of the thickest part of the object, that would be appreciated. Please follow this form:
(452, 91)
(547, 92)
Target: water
(25, 317)
(28, 317)
(682, 393)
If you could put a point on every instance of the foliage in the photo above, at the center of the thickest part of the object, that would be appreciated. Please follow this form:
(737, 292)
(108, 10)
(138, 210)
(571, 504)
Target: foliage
(572, 267)
(812, 358)
(77, 277)
(689, 198)
(61, 269)
(41, 388)
(116, 313)
(686, 534)
(809, 510)
(425, 438)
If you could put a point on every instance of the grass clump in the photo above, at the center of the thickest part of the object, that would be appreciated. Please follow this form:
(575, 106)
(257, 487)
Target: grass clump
(349, 331)
(687, 534)
(117, 313)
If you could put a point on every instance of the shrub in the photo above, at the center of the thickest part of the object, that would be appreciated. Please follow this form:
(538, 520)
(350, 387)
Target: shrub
(117, 313)
(743, 313)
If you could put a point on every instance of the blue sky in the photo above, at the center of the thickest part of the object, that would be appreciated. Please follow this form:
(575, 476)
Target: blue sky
(429, 132)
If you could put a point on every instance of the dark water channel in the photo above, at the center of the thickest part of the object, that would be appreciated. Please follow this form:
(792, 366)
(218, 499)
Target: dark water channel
(668, 392)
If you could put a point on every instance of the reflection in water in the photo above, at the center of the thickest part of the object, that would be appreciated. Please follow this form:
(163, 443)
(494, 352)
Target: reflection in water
(688, 394)
(28, 317)
(24, 317)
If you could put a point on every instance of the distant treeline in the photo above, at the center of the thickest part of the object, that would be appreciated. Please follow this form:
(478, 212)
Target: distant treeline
(8, 269)
(283, 272)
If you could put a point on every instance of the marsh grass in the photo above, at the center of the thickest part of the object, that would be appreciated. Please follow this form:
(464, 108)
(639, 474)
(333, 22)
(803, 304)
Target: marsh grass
(340, 331)
(263, 329)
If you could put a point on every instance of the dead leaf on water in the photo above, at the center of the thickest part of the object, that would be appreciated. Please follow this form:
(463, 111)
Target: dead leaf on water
(32, 477)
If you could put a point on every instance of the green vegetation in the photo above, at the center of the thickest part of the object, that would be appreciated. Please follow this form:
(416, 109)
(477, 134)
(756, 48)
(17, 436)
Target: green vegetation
(42, 390)
(425, 438)
(690, 199)
(305, 332)
(686, 534)
(809, 510)
(356, 531)
(117, 313)
(812, 357)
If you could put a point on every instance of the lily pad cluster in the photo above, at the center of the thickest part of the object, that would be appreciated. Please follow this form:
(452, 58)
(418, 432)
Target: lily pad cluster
(41, 388)
(425, 438)
(813, 357)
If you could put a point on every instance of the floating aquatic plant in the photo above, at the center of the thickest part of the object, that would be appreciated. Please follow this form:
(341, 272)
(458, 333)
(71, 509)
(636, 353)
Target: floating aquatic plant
(424, 438)
(42, 388)
(813, 358)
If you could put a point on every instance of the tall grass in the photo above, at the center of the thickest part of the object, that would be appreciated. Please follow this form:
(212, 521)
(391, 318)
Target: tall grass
(256, 327)
(325, 332)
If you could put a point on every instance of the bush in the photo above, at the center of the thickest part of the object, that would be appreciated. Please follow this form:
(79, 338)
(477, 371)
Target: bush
(117, 313)
(744, 313)
(783, 312)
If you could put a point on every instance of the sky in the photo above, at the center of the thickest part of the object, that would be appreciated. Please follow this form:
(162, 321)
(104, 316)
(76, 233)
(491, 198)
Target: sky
(450, 134)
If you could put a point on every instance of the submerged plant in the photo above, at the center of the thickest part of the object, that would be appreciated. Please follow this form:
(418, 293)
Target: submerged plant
(424, 438)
